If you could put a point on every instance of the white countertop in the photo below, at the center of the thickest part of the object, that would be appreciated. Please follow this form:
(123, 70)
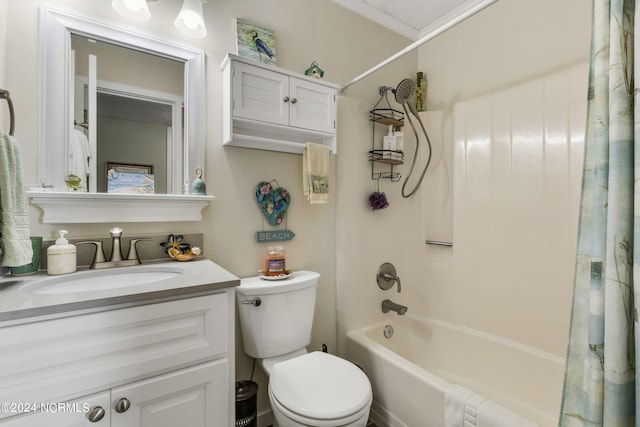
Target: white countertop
(26, 296)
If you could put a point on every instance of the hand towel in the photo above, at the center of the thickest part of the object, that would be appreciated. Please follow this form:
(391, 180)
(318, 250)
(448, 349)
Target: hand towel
(465, 408)
(15, 239)
(315, 172)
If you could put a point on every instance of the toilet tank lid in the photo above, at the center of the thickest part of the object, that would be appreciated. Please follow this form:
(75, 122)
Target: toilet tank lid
(295, 281)
(320, 386)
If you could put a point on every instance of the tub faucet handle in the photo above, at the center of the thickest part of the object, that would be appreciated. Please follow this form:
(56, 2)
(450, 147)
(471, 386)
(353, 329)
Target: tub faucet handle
(396, 279)
(387, 276)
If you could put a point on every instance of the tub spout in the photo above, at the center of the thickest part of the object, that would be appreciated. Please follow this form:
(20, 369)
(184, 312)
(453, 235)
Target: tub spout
(388, 305)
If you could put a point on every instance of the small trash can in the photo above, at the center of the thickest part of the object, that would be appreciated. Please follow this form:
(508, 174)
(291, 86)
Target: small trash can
(246, 404)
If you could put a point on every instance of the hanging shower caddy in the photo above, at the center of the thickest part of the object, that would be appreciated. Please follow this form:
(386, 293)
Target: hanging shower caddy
(383, 114)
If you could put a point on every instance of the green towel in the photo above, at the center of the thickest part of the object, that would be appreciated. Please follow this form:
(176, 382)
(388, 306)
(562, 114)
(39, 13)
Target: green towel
(14, 210)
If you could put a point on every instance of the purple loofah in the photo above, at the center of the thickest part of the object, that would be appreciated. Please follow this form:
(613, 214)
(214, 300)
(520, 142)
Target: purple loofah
(378, 201)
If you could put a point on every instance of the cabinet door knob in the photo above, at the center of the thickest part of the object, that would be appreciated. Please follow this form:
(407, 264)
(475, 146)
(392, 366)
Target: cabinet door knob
(96, 414)
(293, 101)
(286, 99)
(123, 405)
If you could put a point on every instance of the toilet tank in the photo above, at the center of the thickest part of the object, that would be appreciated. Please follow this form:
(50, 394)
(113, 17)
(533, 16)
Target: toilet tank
(276, 315)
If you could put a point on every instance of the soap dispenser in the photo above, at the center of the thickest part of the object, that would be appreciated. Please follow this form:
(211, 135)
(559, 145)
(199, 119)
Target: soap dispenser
(61, 257)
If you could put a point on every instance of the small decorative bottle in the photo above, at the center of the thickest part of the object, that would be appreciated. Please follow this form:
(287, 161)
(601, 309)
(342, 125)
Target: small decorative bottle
(421, 92)
(275, 262)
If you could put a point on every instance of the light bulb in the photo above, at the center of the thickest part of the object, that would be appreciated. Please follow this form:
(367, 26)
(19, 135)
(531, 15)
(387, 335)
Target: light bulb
(190, 20)
(134, 5)
(132, 9)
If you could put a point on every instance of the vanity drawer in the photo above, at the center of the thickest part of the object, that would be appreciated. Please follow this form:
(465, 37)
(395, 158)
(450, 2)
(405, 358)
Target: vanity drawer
(54, 359)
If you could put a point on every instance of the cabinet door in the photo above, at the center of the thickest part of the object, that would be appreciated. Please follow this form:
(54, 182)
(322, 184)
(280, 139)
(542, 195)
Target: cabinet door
(313, 106)
(69, 414)
(260, 94)
(193, 397)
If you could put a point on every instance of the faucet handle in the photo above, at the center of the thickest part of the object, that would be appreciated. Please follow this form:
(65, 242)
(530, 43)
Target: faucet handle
(387, 276)
(99, 255)
(133, 252)
(116, 232)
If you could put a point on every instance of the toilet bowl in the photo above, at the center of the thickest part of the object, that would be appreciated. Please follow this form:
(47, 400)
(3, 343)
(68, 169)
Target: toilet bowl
(305, 389)
(320, 390)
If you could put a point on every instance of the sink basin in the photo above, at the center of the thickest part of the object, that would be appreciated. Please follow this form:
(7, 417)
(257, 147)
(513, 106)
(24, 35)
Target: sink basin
(8, 284)
(100, 280)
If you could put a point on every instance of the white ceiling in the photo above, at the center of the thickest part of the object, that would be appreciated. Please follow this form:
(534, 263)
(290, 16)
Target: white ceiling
(413, 19)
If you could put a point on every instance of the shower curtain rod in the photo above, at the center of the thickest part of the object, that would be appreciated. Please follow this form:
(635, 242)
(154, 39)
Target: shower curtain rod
(461, 17)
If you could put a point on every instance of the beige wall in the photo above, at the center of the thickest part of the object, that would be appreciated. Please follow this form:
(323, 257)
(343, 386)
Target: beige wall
(510, 42)
(342, 43)
(4, 111)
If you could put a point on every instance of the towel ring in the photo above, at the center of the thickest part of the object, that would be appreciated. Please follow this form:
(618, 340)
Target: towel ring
(4, 94)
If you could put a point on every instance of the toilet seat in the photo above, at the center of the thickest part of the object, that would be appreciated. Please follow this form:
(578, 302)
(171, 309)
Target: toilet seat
(320, 389)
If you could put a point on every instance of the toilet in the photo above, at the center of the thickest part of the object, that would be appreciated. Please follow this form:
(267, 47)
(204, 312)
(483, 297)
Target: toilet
(305, 389)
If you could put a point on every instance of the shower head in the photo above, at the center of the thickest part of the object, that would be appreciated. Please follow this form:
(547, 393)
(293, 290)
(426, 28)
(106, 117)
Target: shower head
(404, 90)
(403, 93)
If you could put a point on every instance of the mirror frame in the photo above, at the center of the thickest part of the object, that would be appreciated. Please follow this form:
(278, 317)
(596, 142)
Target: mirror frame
(56, 76)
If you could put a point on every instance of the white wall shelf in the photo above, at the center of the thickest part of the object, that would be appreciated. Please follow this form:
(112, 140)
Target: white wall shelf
(76, 208)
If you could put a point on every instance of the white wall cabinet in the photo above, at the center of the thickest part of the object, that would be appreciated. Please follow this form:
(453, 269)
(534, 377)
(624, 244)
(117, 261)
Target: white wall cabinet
(162, 365)
(269, 108)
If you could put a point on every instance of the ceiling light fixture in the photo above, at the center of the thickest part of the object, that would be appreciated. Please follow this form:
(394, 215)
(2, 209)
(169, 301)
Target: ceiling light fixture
(132, 9)
(190, 20)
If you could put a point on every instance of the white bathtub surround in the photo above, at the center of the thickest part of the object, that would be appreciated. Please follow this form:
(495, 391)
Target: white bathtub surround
(517, 172)
(466, 408)
(411, 372)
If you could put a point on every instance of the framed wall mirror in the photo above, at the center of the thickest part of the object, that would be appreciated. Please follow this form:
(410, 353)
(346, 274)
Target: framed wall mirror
(79, 97)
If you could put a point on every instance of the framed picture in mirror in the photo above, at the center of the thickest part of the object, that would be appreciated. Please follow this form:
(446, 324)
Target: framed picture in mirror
(130, 178)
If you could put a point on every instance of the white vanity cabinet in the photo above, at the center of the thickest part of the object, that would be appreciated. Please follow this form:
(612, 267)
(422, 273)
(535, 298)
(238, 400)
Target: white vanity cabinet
(160, 364)
(96, 404)
(269, 108)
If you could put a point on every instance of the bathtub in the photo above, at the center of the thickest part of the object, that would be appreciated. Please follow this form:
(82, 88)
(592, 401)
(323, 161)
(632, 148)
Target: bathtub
(411, 370)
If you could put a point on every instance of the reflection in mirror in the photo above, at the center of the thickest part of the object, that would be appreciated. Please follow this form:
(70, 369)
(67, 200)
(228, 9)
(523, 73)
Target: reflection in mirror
(92, 74)
(138, 100)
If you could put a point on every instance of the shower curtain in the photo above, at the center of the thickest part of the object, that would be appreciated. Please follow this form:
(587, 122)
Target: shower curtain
(600, 379)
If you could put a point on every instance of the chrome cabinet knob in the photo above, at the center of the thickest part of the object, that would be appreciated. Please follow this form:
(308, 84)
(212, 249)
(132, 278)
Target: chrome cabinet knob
(96, 414)
(123, 405)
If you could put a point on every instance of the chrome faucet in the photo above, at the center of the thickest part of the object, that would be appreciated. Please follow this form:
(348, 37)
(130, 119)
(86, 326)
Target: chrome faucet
(99, 260)
(388, 305)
